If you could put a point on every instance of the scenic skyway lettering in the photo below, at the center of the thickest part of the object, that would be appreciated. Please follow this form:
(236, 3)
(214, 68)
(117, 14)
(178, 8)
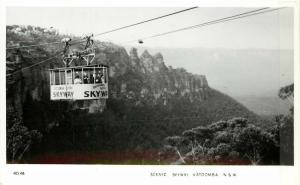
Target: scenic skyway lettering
(63, 94)
(96, 94)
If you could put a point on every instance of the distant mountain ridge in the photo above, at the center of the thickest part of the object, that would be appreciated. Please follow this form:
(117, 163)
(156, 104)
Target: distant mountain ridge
(264, 70)
(265, 105)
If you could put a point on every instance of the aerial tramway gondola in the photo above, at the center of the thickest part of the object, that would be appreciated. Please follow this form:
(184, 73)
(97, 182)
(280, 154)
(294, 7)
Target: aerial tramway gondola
(83, 82)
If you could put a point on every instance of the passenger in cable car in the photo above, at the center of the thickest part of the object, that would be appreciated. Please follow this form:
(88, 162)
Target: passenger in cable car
(102, 79)
(77, 80)
(92, 78)
(98, 78)
(85, 78)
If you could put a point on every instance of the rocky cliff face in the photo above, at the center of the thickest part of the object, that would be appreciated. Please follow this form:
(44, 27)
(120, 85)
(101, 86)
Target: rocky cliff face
(152, 79)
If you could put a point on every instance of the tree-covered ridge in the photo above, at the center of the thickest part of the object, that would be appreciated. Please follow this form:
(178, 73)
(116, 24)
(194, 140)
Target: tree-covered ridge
(231, 141)
(236, 141)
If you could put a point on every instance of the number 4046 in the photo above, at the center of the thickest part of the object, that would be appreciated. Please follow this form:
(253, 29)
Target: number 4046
(19, 173)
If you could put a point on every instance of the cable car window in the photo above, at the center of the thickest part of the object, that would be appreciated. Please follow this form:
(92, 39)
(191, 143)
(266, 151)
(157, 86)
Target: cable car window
(69, 77)
(88, 75)
(105, 75)
(98, 76)
(93, 78)
(93, 75)
(85, 77)
(78, 78)
(52, 75)
(52, 78)
(56, 77)
(62, 77)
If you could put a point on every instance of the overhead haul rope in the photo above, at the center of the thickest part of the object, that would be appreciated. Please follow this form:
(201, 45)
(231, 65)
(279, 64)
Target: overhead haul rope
(28, 46)
(33, 65)
(230, 18)
(149, 20)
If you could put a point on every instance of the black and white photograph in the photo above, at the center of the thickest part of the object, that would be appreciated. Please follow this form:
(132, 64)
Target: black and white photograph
(150, 85)
(136, 92)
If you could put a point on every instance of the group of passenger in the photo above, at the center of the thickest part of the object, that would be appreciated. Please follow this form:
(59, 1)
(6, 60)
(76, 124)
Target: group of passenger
(89, 79)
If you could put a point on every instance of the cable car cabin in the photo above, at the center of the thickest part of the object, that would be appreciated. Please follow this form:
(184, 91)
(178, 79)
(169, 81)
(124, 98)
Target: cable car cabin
(79, 83)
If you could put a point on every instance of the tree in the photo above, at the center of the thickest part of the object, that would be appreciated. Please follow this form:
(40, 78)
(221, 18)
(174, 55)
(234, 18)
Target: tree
(218, 126)
(255, 144)
(286, 127)
(19, 137)
(223, 149)
(198, 139)
(174, 143)
(286, 92)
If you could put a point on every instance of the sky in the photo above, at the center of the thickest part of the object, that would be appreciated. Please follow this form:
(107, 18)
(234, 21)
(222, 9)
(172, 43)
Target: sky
(272, 30)
(232, 71)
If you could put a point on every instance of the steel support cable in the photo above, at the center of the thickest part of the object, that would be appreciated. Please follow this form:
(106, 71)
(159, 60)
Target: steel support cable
(33, 65)
(218, 21)
(230, 18)
(142, 22)
(35, 45)
(149, 20)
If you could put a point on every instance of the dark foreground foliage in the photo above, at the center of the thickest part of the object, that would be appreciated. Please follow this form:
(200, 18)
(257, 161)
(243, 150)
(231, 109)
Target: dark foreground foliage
(232, 141)
(236, 141)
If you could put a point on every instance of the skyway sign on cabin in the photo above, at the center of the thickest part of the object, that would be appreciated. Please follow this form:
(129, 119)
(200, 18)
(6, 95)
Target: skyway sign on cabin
(79, 92)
